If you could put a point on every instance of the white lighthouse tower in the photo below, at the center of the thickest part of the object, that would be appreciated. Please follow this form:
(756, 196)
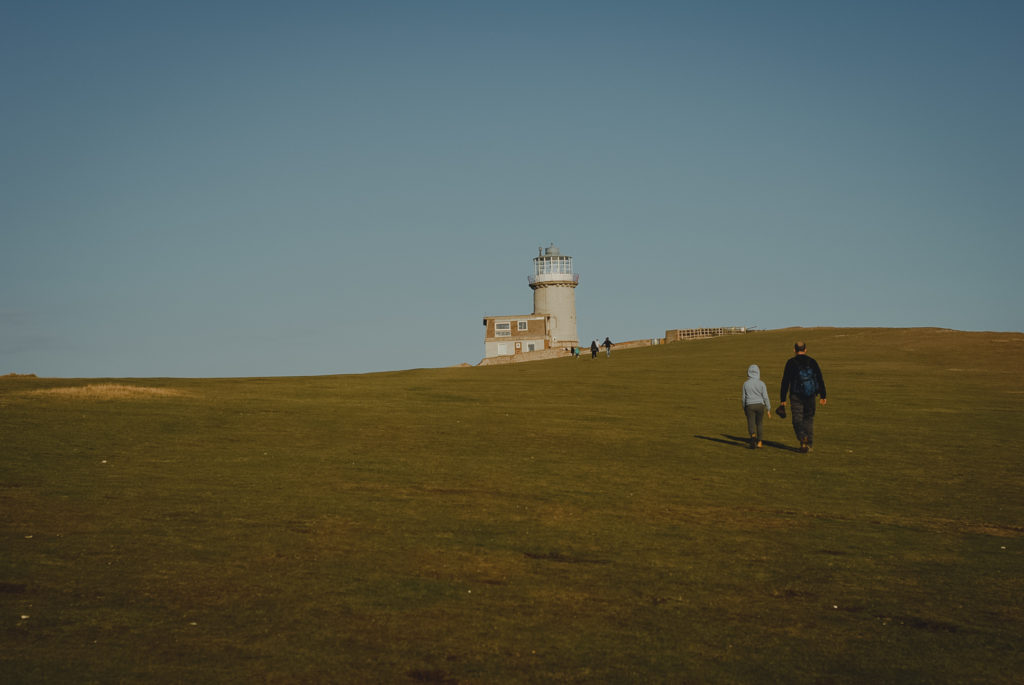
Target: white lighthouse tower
(554, 295)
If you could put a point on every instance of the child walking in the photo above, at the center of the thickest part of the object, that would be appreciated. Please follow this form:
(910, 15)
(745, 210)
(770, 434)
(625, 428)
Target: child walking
(756, 404)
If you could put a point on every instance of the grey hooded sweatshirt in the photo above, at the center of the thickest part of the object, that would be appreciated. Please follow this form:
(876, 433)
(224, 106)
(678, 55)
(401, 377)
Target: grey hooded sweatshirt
(754, 390)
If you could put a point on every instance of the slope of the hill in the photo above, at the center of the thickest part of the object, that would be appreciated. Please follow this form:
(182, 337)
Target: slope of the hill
(566, 520)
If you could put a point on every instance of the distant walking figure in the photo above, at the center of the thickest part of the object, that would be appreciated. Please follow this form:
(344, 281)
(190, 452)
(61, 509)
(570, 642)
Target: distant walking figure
(593, 349)
(607, 344)
(756, 404)
(802, 381)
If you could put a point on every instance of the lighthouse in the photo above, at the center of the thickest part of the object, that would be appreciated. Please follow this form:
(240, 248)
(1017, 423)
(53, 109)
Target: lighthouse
(554, 295)
(551, 328)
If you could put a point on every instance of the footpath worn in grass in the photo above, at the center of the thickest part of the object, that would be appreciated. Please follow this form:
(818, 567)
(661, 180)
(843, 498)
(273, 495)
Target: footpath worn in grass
(561, 521)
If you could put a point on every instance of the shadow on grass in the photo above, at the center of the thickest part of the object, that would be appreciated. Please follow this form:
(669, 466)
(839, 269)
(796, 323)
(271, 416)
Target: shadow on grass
(737, 441)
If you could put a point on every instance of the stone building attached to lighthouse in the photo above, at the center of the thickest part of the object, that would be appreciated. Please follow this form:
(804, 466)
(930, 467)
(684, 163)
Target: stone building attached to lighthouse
(552, 325)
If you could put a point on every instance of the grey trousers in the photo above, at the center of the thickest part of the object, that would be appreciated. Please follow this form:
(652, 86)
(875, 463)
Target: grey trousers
(755, 419)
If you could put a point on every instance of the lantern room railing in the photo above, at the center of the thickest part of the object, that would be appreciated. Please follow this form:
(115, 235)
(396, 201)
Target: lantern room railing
(554, 278)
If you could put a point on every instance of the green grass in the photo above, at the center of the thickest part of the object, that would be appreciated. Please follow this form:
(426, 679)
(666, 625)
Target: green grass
(561, 521)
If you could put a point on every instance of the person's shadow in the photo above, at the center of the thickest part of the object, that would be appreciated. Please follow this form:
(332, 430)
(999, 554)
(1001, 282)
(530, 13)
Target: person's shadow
(737, 441)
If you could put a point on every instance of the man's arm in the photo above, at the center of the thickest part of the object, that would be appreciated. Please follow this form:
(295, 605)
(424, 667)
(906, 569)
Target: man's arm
(821, 382)
(784, 390)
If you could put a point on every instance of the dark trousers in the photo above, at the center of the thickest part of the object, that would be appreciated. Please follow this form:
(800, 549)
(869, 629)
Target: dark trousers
(802, 410)
(755, 419)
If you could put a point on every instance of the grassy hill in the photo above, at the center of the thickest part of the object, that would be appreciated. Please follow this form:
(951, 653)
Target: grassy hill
(559, 521)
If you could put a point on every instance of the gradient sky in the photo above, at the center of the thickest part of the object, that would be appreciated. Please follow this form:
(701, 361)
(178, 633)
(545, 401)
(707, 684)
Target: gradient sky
(210, 189)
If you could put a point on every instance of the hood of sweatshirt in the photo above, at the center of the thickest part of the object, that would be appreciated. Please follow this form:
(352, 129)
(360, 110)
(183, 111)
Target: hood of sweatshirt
(754, 373)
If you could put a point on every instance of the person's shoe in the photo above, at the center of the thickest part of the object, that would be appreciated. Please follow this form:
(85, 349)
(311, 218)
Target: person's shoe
(804, 447)
(760, 444)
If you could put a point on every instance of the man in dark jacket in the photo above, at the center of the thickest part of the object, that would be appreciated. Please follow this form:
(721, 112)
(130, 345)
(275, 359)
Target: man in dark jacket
(607, 345)
(802, 381)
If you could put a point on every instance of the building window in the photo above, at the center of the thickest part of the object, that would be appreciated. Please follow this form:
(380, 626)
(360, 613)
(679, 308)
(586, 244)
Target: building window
(523, 325)
(502, 329)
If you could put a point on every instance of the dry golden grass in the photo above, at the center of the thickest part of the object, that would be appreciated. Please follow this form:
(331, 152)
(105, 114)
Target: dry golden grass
(589, 521)
(107, 391)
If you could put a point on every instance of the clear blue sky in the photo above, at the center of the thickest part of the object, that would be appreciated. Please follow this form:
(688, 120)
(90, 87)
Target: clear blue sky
(289, 188)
